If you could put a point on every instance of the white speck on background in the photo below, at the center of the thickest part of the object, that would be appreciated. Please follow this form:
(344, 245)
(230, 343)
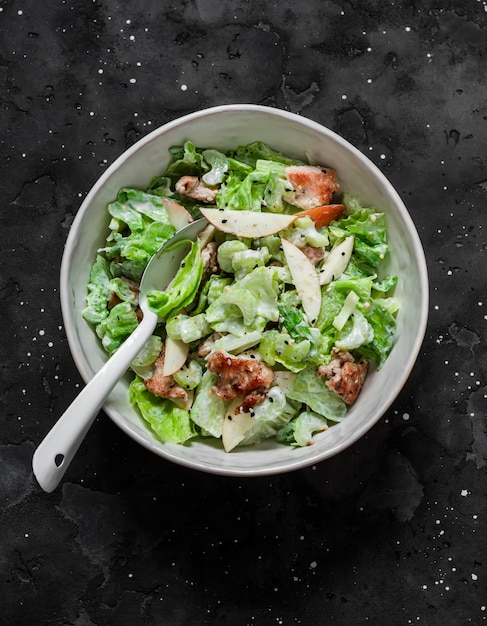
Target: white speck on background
(184, 87)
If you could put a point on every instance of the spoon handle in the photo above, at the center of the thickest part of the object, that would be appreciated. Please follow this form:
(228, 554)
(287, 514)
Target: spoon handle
(56, 451)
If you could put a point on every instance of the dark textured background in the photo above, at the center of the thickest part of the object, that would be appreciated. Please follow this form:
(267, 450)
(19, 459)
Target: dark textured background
(392, 531)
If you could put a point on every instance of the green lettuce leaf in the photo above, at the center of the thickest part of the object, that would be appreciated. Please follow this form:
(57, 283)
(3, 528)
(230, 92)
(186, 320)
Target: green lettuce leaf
(189, 376)
(127, 291)
(188, 329)
(305, 425)
(208, 410)
(160, 186)
(212, 289)
(245, 261)
(170, 423)
(187, 161)
(218, 164)
(182, 289)
(383, 324)
(297, 326)
(247, 194)
(313, 392)
(247, 304)
(252, 152)
(357, 332)
(277, 347)
(117, 326)
(132, 205)
(235, 345)
(98, 291)
(226, 252)
(149, 352)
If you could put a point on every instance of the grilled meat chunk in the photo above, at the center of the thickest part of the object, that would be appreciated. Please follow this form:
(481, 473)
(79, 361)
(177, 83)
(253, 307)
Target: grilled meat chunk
(239, 375)
(164, 386)
(210, 262)
(344, 376)
(193, 187)
(315, 255)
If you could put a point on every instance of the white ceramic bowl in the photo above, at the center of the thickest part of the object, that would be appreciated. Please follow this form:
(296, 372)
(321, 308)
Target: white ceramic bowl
(227, 127)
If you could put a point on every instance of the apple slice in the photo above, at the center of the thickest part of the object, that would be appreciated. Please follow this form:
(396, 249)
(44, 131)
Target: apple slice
(235, 425)
(247, 223)
(175, 355)
(336, 262)
(178, 215)
(305, 278)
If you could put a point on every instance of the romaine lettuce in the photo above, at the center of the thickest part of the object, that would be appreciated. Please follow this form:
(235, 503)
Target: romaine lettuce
(305, 425)
(170, 423)
(117, 326)
(188, 329)
(248, 304)
(182, 289)
(98, 291)
(277, 347)
(208, 410)
(190, 375)
(312, 390)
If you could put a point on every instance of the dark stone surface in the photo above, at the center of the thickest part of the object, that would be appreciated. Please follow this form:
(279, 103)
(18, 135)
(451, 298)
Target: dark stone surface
(392, 531)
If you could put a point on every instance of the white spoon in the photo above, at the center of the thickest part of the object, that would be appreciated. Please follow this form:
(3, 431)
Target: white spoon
(56, 451)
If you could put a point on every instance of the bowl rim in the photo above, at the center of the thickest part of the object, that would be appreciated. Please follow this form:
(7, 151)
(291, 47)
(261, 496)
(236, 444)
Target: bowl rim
(69, 321)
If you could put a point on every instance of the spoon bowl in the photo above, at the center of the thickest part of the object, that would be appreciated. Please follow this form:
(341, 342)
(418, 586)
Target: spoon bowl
(57, 450)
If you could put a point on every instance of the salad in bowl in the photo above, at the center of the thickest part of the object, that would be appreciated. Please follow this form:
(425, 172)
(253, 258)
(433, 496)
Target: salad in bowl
(277, 313)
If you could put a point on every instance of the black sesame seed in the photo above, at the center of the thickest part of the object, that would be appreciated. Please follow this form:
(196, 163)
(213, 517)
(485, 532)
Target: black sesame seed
(271, 399)
(224, 221)
(229, 417)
